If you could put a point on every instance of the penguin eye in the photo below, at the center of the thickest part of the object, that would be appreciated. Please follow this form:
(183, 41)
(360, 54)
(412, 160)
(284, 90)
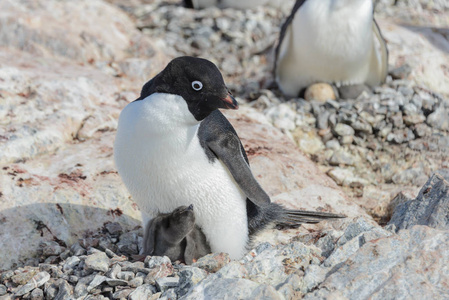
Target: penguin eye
(197, 85)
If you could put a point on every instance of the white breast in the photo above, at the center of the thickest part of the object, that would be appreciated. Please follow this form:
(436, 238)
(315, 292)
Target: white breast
(328, 41)
(160, 160)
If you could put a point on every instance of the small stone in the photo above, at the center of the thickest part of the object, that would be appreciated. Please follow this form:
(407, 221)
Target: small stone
(50, 248)
(115, 269)
(51, 291)
(96, 281)
(212, 262)
(439, 119)
(137, 281)
(188, 278)
(114, 228)
(333, 144)
(23, 289)
(142, 292)
(97, 262)
(308, 140)
(282, 116)
(166, 283)
(64, 255)
(169, 294)
(125, 275)
(401, 72)
(320, 92)
(6, 275)
(401, 136)
(2, 289)
(116, 282)
(109, 253)
(422, 130)
(73, 279)
(70, 263)
(343, 129)
(413, 119)
(37, 294)
(160, 266)
(23, 276)
(77, 249)
(346, 139)
(81, 286)
(65, 290)
(415, 176)
(121, 294)
(135, 267)
(362, 126)
(128, 243)
(341, 157)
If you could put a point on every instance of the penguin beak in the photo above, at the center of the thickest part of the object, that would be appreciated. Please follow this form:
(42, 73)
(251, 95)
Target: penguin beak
(230, 102)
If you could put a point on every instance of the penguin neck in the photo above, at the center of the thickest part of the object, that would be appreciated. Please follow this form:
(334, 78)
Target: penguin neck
(166, 114)
(165, 118)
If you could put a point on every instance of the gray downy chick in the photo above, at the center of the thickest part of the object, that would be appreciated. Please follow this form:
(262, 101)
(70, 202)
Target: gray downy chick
(175, 235)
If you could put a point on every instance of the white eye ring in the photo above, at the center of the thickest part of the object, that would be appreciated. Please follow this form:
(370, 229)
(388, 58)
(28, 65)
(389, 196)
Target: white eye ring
(197, 85)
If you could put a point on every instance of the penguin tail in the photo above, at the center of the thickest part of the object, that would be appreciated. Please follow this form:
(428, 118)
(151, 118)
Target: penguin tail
(275, 214)
(297, 217)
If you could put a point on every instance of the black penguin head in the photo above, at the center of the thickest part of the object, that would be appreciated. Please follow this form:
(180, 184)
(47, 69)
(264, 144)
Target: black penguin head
(197, 80)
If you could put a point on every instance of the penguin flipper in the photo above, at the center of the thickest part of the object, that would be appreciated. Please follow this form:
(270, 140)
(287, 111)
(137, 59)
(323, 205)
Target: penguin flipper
(284, 28)
(227, 148)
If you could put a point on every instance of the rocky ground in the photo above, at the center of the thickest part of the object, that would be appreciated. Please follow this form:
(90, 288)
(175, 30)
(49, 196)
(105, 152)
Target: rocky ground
(68, 225)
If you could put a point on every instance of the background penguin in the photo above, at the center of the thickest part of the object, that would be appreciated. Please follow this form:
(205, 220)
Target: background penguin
(333, 41)
(175, 235)
(173, 144)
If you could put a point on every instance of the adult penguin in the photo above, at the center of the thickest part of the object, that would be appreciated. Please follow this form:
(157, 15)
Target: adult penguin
(333, 41)
(174, 147)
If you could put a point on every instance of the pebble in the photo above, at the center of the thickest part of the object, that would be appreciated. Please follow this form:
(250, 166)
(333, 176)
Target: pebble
(97, 261)
(188, 277)
(77, 249)
(212, 262)
(50, 248)
(71, 263)
(120, 294)
(166, 283)
(439, 119)
(96, 281)
(125, 275)
(341, 157)
(142, 292)
(2, 289)
(321, 92)
(343, 129)
(37, 294)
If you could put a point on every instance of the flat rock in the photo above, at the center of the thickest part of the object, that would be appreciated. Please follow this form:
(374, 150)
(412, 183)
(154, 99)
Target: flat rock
(98, 262)
(386, 268)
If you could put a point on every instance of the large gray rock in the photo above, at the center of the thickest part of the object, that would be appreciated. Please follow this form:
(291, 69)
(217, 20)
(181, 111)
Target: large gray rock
(429, 208)
(410, 265)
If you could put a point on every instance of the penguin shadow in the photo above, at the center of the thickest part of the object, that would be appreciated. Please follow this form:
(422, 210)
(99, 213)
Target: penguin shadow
(23, 229)
(437, 36)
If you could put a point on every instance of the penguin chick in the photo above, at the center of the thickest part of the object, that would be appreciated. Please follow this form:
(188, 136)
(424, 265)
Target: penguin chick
(175, 235)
